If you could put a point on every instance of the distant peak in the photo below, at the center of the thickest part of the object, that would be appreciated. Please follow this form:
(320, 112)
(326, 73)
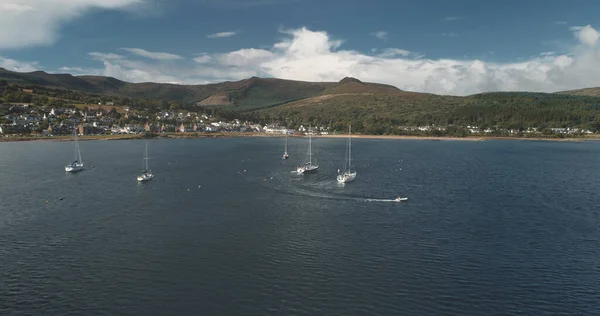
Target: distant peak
(38, 72)
(349, 80)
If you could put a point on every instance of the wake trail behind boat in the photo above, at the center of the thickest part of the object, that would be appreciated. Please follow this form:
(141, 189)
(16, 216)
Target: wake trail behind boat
(386, 200)
(319, 190)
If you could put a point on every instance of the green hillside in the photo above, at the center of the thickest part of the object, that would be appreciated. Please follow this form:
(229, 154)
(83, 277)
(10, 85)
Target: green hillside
(384, 113)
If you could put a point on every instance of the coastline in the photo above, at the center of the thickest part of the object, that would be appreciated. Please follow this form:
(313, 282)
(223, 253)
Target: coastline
(254, 134)
(467, 138)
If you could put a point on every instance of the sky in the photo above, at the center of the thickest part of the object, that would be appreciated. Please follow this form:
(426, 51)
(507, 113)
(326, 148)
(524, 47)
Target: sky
(458, 47)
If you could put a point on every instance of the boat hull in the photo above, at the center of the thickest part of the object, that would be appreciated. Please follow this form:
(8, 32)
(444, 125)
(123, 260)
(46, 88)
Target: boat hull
(74, 168)
(346, 177)
(307, 169)
(143, 178)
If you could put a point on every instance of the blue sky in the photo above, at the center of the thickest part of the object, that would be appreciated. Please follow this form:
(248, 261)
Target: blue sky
(449, 47)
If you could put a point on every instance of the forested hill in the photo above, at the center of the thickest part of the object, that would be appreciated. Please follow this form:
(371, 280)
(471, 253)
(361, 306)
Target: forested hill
(379, 114)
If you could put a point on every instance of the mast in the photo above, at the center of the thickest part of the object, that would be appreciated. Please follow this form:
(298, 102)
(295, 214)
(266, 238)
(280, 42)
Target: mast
(75, 139)
(309, 147)
(146, 158)
(77, 153)
(286, 137)
(349, 148)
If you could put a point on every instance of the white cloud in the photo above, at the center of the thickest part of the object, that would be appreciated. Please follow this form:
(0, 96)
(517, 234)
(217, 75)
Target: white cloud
(104, 56)
(586, 34)
(451, 18)
(304, 54)
(15, 65)
(203, 59)
(71, 70)
(244, 57)
(382, 35)
(393, 52)
(133, 71)
(14, 8)
(153, 55)
(26, 23)
(221, 35)
(561, 22)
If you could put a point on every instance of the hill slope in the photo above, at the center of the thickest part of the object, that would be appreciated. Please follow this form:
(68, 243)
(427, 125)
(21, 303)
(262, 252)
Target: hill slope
(384, 113)
(590, 92)
(247, 94)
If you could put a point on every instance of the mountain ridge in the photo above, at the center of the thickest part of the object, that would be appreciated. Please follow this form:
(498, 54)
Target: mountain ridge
(245, 94)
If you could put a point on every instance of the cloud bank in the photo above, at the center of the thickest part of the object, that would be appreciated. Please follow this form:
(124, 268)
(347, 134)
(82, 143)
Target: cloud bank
(304, 54)
(153, 55)
(26, 23)
(314, 56)
(16, 65)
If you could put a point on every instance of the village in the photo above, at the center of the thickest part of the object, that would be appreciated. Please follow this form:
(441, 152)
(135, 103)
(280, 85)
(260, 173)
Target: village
(28, 119)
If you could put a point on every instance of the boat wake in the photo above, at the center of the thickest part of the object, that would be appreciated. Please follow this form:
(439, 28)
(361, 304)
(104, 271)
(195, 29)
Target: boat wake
(385, 200)
(319, 189)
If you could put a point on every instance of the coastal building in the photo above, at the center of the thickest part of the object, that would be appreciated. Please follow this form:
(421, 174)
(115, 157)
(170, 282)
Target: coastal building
(185, 128)
(134, 129)
(61, 129)
(272, 129)
(152, 128)
(89, 129)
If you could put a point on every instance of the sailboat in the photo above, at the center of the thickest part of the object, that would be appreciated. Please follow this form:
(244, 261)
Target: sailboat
(308, 166)
(347, 174)
(285, 153)
(146, 174)
(77, 164)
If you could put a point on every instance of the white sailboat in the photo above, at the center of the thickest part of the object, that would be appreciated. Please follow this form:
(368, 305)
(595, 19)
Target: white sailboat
(77, 164)
(146, 174)
(308, 166)
(347, 175)
(285, 153)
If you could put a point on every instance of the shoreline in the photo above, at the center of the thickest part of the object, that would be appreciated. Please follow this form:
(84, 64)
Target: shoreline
(467, 138)
(254, 134)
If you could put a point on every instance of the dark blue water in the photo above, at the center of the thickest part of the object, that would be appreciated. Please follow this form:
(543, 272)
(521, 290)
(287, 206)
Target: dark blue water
(490, 228)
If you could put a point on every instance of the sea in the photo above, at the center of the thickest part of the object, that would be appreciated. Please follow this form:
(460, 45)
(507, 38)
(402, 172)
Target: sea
(226, 228)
